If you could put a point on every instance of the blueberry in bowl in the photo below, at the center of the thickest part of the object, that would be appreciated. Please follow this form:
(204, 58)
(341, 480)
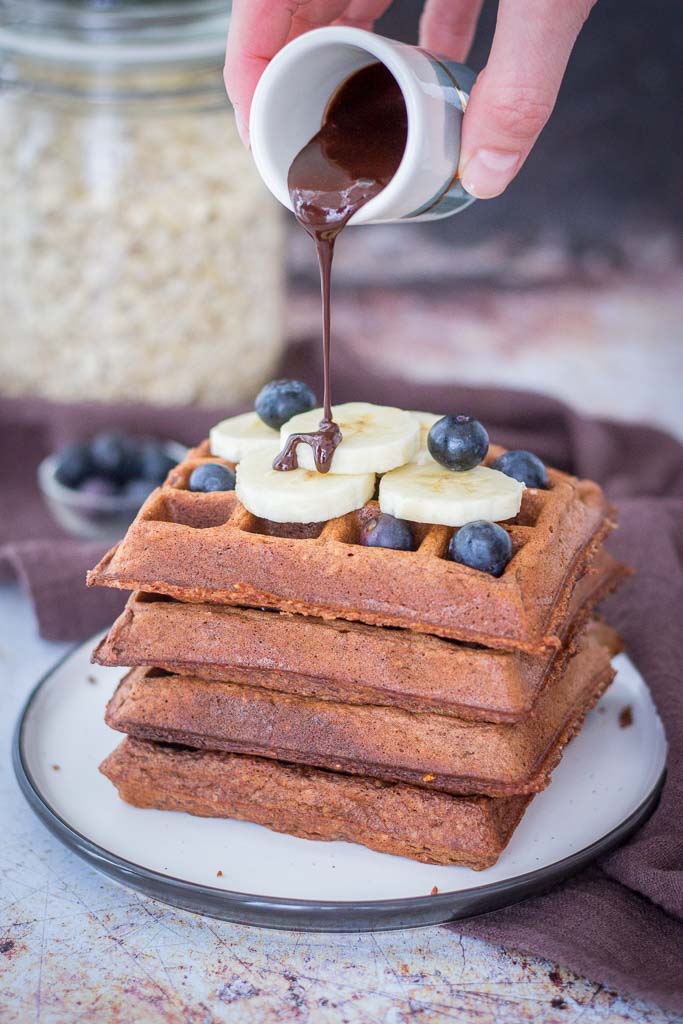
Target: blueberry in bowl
(94, 489)
(74, 465)
(156, 461)
(116, 456)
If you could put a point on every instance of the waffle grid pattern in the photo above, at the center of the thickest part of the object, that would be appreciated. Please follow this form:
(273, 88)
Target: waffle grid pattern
(209, 548)
(177, 504)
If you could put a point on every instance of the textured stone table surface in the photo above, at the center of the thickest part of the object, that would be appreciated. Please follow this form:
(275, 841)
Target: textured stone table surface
(75, 946)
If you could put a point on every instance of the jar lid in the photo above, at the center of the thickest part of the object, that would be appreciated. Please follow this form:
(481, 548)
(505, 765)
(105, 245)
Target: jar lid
(115, 31)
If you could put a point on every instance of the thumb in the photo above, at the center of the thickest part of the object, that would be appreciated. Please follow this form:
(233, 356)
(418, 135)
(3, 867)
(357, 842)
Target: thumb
(515, 94)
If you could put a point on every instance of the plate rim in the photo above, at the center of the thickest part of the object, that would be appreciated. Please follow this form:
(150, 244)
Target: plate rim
(337, 915)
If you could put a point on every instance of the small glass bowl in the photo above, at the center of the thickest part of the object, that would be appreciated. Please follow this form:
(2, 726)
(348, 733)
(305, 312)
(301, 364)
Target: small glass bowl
(92, 516)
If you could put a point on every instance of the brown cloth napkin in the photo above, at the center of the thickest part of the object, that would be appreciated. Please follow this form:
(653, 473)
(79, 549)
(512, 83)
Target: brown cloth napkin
(618, 922)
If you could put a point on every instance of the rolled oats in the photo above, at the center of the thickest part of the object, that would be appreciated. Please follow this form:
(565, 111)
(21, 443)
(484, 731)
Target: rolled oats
(141, 254)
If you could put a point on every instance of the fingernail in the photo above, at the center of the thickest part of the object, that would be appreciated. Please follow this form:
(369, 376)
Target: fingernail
(487, 173)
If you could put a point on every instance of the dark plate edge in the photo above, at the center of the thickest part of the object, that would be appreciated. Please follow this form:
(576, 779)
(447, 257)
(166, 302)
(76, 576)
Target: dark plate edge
(310, 915)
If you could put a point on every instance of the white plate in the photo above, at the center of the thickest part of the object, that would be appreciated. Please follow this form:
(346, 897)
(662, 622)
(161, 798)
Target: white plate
(607, 784)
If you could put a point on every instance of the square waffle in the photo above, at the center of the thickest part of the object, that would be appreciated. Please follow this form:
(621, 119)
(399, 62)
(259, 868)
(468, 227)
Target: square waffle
(392, 818)
(347, 662)
(423, 749)
(200, 547)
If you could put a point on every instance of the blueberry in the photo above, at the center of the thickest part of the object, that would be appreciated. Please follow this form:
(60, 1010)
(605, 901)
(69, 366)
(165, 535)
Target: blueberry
(155, 464)
(481, 545)
(458, 442)
(98, 487)
(523, 466)
(116, 456)
(73, 465)
(138, 490)
(385, 531)
(278, 401)
(211, 476)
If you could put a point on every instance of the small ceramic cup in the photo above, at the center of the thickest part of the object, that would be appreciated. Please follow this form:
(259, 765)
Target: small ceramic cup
(298, 84)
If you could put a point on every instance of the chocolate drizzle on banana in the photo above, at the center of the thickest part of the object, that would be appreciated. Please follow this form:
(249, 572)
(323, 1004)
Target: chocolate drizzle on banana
(323, 442)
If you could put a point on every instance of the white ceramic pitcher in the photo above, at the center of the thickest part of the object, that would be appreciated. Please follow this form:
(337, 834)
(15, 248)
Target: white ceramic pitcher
(298, 84)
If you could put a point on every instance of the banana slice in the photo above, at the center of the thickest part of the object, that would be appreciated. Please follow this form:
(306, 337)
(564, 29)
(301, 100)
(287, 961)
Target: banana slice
(431, 494)
(426, 421)
(240, 435)
(375, 438)
(299, 495)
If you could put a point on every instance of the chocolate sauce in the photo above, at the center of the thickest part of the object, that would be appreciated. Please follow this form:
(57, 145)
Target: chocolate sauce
(346, 164)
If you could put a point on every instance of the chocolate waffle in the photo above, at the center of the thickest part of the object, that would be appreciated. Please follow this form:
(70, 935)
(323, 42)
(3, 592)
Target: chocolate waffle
(346, 662)
(392, 818)
(200, 547)
(430, 750)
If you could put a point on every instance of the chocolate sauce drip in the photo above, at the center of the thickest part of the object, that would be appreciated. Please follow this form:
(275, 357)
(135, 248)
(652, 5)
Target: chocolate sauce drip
(346, 164)
(323, 441)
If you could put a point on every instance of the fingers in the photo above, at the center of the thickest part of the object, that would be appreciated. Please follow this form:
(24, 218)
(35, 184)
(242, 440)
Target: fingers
(515, 94)
(363, 13)
(447, 27)
(258, 29)
(314, 14)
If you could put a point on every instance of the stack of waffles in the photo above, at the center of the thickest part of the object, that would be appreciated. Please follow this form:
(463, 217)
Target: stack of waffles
(285, 674)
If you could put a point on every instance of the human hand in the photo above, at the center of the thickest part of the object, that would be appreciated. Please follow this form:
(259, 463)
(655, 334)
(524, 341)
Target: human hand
(510, 102)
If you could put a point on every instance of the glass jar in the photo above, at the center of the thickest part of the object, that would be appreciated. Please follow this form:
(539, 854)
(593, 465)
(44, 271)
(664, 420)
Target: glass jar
(141, 254)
